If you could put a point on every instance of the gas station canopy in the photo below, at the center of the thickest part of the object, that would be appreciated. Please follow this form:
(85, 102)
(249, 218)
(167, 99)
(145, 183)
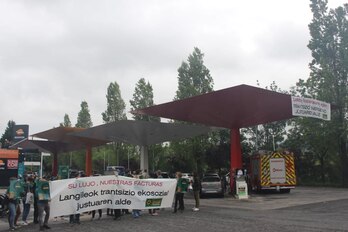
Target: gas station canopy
(235, 107)
(141, 133)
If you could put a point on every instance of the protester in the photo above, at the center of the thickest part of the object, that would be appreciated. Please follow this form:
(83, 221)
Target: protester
(43, 197)
(75, 218)
(144, 174)
(181, 188)
(36, 211)
(99, 212)
(158, 174)
(136, 212)
(14, 191)
(196, 187)
(18, 213)
(28, 198)
(18, 208)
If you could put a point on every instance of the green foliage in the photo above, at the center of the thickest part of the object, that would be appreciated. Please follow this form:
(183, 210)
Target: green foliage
(142, 98)
(324, 144)
(67, 122)
(8, 135)
(193, 77)
(84, 117)
(115, 109)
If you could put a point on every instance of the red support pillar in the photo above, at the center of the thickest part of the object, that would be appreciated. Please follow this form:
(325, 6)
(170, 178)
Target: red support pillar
(236, 155)
(55, 164)
(88, 160)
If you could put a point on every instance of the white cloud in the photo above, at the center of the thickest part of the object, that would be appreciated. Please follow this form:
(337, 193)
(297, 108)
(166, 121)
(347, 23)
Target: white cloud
(55, 54)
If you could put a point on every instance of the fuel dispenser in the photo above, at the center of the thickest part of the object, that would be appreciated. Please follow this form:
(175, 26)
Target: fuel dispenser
(241, 184)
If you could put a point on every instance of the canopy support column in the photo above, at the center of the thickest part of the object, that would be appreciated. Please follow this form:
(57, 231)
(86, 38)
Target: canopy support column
(88, 160)
(144, 158)
(236, 155)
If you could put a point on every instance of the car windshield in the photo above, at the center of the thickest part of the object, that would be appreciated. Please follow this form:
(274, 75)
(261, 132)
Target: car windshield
(211, 179)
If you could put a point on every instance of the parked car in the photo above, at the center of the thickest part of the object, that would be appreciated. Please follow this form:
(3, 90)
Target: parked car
(165, 175)
(187, 176)
(211, 174)
(111, 170)
(211, 185)
(74, 173)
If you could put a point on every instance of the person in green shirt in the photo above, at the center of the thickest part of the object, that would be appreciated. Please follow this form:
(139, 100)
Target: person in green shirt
(14, 192)
(43, 197)
(181, 188)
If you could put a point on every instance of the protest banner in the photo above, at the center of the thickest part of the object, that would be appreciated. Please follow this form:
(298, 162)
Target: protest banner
(307, 107)
(72, 196)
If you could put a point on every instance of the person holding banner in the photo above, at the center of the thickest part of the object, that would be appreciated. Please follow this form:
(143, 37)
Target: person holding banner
(100, 212)
(43, 198)
(136, 212)
(14, 192)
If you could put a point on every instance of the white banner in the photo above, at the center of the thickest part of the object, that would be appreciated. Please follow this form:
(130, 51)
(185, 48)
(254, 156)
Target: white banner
(307, 107)
(72, 196)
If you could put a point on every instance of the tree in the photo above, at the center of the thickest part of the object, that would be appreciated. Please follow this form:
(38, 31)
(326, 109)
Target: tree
(328, 78)
(143, 97)
(67, 122)
(8, 135)
(83, 121)
(84, 118)
(115, 111)
(193, 79)
(115, 104)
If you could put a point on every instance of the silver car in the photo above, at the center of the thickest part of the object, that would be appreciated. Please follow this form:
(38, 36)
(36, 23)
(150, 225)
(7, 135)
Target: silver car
(211, 185)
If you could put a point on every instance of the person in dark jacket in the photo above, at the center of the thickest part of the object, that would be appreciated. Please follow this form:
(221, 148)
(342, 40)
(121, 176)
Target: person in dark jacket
(196, 187)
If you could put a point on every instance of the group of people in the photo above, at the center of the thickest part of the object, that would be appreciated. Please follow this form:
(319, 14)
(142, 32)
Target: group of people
(32, 190)
(29, 190)
(182, 187)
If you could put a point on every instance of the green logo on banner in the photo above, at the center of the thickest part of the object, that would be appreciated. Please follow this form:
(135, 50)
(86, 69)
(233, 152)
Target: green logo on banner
(155, 202)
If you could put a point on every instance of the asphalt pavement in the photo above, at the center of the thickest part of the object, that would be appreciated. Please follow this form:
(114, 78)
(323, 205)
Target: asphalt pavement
(304, 209)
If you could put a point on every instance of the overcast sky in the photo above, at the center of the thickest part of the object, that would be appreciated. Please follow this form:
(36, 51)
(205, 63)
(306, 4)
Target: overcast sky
(55, 54)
